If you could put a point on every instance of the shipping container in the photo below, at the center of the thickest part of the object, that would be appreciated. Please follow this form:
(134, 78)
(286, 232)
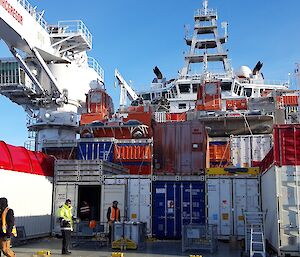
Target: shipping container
(30, 196)
(132, 192)
(85, 171)
(176, 203)
(249, 150)
(227, 200)
(134, 155)
(179, 148)
(138, 208)
(287, 145)
(280, 202)
(219, 152)
(94, 150)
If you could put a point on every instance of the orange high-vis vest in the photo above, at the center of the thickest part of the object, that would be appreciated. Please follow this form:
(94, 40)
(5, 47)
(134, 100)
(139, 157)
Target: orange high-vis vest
(114, 214)
(4, 225)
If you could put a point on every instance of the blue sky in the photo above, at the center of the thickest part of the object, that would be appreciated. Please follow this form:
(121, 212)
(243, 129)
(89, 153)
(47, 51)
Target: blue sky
(135, 35)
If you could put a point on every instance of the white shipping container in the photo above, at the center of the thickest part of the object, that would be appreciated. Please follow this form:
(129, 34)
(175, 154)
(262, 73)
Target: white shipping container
(227, 200)
(30, 196)
(250, 148)
(110, 193)
(132, 192)
(281, 203)
(138, 197)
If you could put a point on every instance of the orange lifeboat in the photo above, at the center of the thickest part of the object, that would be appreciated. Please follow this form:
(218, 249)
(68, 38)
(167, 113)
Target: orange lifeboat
(99, 107)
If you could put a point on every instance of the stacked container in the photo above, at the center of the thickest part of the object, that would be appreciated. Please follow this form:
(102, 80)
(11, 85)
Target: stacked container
(179, 148)
(227, 200)
(135, 155)
(218, 152)
(249, 150)
(177, 202)
(280, 191)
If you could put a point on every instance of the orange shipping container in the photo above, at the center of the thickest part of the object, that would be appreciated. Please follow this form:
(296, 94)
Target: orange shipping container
(219, 152)
(136, 152)
(288, 100)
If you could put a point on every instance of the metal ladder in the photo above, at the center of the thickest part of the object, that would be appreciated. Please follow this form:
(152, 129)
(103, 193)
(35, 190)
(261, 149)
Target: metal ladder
(254, 234)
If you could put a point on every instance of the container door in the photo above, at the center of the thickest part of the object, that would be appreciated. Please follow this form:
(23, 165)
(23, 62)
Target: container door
(139, 207)
(166, 210)
(219, 205)
(261, 145)
(240, 151)
(110, 193)
(61, 194)
(193, 202)
(245, 198)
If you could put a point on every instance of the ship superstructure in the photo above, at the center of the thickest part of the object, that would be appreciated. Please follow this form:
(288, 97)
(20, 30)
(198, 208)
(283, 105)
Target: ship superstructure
(207, 59)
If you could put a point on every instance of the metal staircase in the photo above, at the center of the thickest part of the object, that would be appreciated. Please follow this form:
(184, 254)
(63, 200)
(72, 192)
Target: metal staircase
(254, 234)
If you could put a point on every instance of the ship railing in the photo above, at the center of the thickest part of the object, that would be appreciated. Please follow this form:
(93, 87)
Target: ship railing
(277, 82)
(73, 27)
(207, 12)
(92, 63)
(32, 11)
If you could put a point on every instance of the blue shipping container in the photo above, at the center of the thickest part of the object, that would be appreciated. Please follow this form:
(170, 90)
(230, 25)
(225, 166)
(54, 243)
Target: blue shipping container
(176, 203)
(95, 151)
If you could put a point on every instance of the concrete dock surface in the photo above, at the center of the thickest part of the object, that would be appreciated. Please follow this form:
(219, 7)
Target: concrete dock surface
(151, 249)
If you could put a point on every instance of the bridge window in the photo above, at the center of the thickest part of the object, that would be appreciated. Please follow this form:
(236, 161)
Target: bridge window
(182, 106)
(146, 97)
(226, 86)
(195, 88)
(248, 92)
(185, 88)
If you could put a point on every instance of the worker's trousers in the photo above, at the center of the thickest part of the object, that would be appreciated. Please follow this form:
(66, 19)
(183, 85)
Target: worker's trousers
(66, 234)
(5, 248)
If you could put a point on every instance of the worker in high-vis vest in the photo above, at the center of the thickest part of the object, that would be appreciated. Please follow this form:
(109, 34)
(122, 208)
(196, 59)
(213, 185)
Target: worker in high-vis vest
(66, 224)
(8, 229)
(113, 215)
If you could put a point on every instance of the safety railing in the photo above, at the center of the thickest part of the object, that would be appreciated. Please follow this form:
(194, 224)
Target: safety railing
(207, 12)
(92, 63)
(32, 11)
(73, 27)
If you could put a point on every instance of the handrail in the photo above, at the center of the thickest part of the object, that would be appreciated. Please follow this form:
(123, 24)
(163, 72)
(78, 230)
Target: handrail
(92, 63)
(32, 11)
(207, 12)
(73, 26)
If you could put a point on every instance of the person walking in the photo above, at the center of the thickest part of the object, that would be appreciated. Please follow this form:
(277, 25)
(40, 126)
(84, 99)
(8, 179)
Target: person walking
(113, 215)
(66, 224)
(7, 229)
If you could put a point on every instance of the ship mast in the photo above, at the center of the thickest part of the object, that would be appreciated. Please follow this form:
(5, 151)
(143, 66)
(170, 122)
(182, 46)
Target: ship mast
(206, 44)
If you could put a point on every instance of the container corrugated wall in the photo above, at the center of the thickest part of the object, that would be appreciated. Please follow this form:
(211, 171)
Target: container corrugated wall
(176, 203)
(135, 155)
(287, 144)
(250, 150)
(95, 151)
(179, 148)
(30, 196)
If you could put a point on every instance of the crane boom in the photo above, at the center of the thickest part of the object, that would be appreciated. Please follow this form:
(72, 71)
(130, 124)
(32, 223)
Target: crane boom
(132, 95)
